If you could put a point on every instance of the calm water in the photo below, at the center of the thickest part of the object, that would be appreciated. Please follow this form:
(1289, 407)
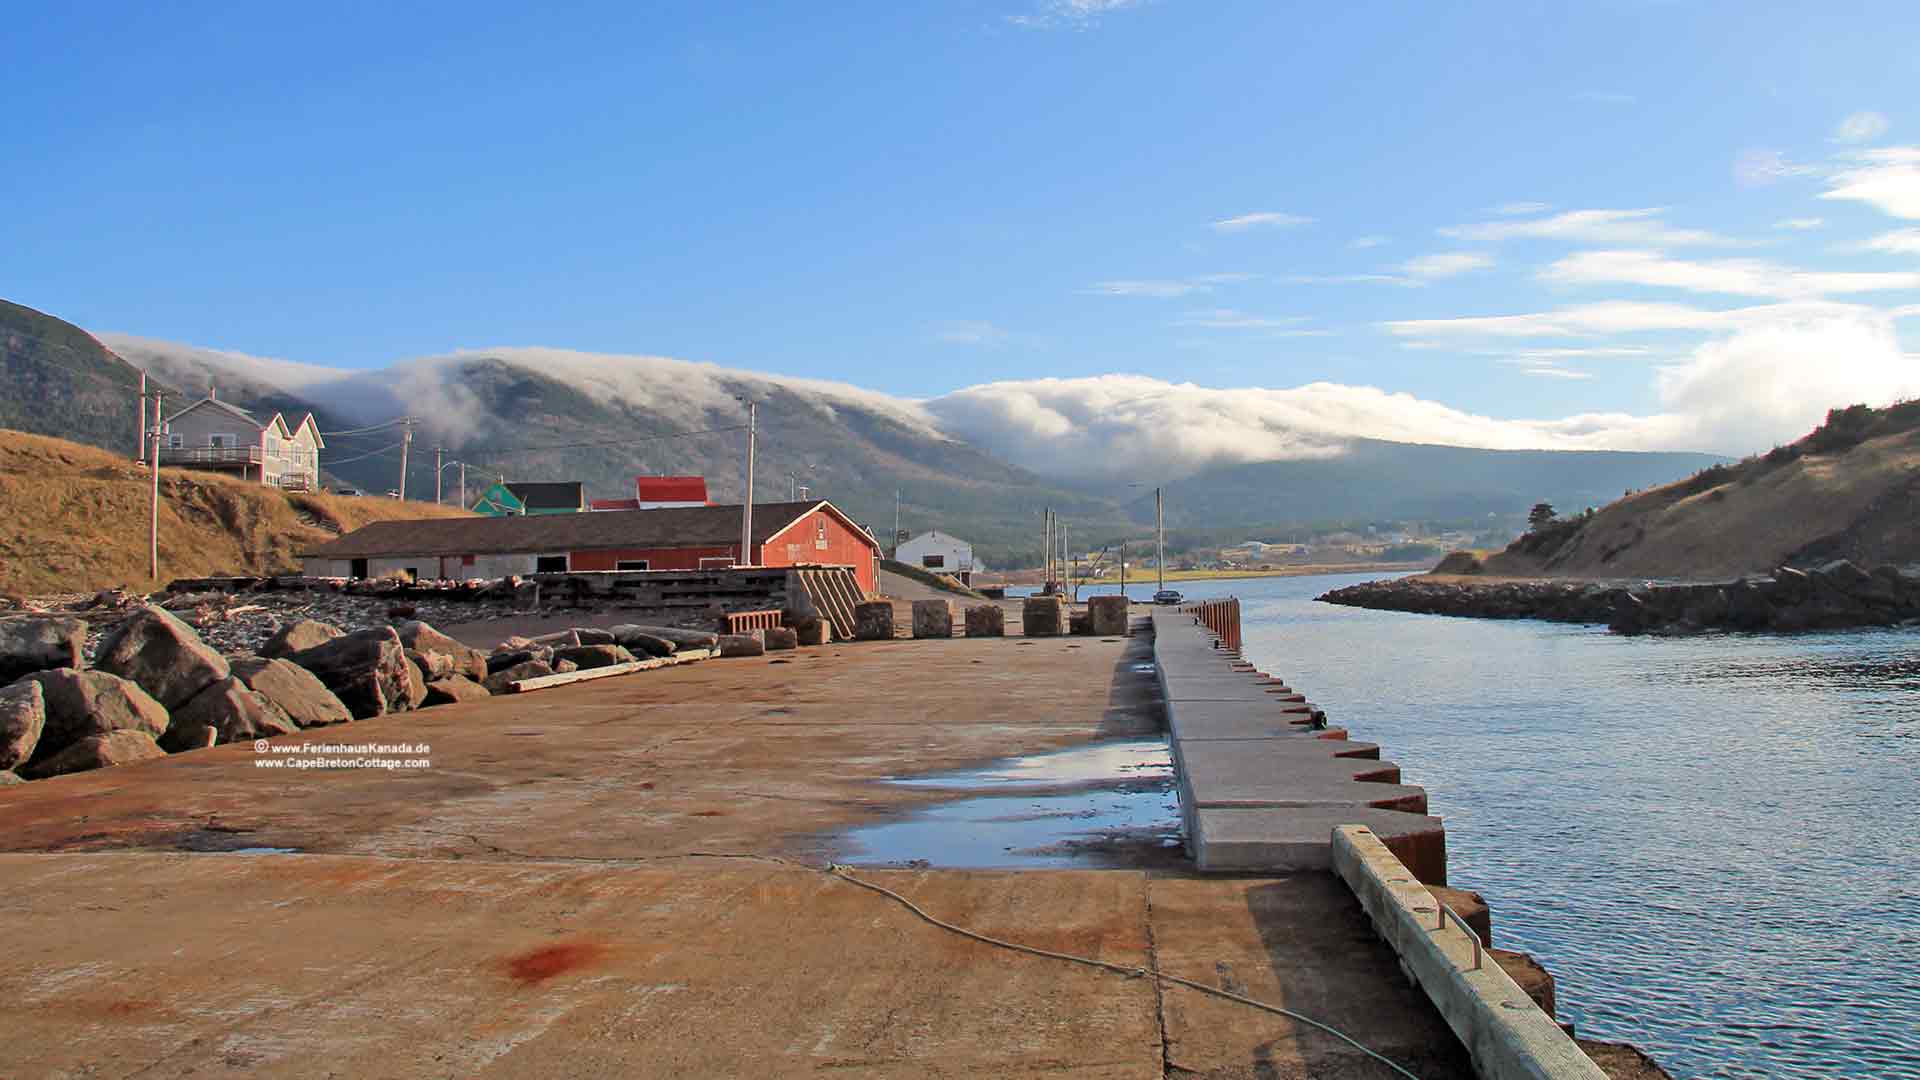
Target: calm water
(1713, 843)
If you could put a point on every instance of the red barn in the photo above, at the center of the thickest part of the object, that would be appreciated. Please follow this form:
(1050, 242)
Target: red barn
(678, 538)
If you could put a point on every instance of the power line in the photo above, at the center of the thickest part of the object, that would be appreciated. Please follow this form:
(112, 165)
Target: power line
(395, 422)
(388, 449)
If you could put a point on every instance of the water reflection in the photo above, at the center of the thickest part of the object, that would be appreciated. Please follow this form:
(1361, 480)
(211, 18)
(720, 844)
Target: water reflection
(1710, 841)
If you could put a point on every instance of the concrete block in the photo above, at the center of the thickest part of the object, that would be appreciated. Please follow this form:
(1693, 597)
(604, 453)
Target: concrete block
(1238, 720)
(1269, 773)
(1472, 909)
(780, 638)
(1300, 838)
(986, 620)
(1494, 1018)
(1043, 616)
(1224, 686)
(873, 621)
(932, 619)
(748, 644)
(1109, 615)
(813, 631)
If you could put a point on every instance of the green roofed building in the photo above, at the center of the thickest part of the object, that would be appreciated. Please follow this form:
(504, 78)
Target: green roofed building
(518, 499)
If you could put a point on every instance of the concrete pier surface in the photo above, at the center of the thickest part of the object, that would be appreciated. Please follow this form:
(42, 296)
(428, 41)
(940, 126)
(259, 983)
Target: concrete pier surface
(627, 878)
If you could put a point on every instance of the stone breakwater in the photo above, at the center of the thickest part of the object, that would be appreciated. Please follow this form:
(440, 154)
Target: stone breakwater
(1837, 595)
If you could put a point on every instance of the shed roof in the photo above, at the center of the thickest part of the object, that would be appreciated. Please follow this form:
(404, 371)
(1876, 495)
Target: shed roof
(672, 527)
(671, 488)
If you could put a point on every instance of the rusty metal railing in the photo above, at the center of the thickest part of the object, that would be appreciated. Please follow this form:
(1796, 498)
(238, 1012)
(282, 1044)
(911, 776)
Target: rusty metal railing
(741, 622)
(1222, 617)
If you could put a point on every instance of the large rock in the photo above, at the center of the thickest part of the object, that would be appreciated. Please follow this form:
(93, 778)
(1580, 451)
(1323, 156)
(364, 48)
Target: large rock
(685, 639)
(454, 689)
(431, 665)
(37, 644)
(9, 778)
(1043, 616)
(742, 645)
(23, 715)
(932, 619)
(293, 690)
(986, 620)
(231, 712)
(590, 635)
(1108, 615)
(98, 752)
(466, 659)
(501, 661)
(367, 670)
(780, 638)
(559, 639)
(299, 636)
(164, 655)
(593, 656)
(80, 704)
(415, 690)
(640, 639)
(498, 682)
(873, 621)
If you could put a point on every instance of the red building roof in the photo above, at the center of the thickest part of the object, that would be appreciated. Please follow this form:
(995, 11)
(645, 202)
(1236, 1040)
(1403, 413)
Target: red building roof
(671, 489)
(614, 504)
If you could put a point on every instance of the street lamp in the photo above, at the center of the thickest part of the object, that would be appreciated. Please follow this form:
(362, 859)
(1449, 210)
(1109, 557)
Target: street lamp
(1159, 539)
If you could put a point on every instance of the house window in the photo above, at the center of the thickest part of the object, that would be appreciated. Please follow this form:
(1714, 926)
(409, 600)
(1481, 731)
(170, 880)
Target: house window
(630, 564)
(933, 562)
(820, 536)
(550, 564)
(175, 442)
(715, 562)
(466, 560)
(224, 440)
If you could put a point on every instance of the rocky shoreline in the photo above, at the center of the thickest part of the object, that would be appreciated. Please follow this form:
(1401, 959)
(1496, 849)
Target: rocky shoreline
(1835, 596)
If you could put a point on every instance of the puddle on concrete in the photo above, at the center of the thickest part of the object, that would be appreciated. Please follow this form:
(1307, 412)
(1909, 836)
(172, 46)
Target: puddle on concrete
(1124, 759)
(1102, 805)
(261, 851)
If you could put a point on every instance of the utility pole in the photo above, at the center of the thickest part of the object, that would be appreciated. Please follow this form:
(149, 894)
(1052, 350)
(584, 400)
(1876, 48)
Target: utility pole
(1066, 569)
(153, 463)
(1160, 538)
(893, 544)
(406, 443)
(463, 487)
(1046, 552)
(746, 507)
(141, 452)
(437, 451)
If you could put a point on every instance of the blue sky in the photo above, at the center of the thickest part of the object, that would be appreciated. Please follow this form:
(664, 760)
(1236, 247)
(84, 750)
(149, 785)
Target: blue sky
(922, 197)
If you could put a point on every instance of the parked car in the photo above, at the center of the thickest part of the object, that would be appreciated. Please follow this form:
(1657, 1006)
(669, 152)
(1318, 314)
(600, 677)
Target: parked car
(1168, 596)
(348, 491)
(392, 494)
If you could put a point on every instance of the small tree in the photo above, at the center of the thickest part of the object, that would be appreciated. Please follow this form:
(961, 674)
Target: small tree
(1540, 517)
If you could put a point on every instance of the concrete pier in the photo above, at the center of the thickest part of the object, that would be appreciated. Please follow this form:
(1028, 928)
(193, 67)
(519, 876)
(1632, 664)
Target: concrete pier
(1260, 787)
(627, 877)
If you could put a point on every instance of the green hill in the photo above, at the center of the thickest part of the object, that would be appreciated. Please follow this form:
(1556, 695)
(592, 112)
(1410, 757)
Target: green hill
(56, 379)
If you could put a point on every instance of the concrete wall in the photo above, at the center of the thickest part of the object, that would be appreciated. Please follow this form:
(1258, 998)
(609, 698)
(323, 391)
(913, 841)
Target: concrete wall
(451, 567)
(656, 558)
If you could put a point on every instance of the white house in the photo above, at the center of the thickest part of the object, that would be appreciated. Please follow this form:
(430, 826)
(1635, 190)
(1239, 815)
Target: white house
(211, 434)
(940, 553)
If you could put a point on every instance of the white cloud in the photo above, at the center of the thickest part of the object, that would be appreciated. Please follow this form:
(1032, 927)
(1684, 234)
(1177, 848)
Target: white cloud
(1742, 277)
(1759, 167)
(1860, 127)
(1800, 224)
(1897, 242)
(1520, 209)
(1368, 241)
(1350, 279)
(189, 368)
(1266, 219)
(1642, 226)
(1446, 264)
(1228, 319)
(1619, 317)
(1888, 180)
(968, 332)
(1771, 384)
(1556, 373)
(1157, 287)
(1072, 13)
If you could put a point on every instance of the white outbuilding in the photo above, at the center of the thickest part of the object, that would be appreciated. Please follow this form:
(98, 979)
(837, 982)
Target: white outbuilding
(940, 553)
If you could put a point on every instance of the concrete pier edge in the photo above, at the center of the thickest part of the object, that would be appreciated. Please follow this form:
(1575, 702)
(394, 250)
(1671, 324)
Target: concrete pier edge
(1509, 1037)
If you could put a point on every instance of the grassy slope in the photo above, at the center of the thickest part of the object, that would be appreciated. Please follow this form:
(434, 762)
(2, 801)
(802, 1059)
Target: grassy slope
(76, 519)
(1826, 496)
